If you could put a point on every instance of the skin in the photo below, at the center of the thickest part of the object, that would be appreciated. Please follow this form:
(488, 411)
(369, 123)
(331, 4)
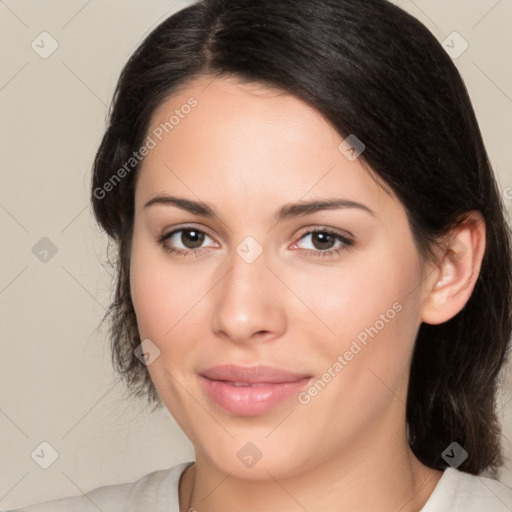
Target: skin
(248, 150)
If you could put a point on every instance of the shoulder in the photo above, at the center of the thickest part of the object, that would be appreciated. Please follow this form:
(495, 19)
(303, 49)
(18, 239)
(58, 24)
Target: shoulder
(458, 491)
(159, 489)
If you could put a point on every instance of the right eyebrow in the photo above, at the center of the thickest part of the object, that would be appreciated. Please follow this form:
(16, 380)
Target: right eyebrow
(194, 207)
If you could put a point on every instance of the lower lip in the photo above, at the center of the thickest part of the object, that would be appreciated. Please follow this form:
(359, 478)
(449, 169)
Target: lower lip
(251, 400)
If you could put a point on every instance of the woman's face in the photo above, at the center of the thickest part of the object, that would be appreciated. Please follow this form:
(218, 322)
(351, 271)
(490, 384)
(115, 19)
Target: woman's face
(334, 313)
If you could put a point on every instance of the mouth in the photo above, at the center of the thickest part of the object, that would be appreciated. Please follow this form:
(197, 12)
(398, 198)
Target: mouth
(249, 391)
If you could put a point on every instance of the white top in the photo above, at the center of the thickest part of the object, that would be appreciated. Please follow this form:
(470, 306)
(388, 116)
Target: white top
(456, 491)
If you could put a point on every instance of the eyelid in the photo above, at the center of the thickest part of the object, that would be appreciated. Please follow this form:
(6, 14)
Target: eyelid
(319, 227)
(183, 227)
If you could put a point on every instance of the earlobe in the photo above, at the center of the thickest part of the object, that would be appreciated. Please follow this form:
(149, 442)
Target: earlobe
(457, 271)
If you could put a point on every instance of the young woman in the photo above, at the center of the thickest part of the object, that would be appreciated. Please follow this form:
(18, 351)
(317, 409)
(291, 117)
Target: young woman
(314, 265)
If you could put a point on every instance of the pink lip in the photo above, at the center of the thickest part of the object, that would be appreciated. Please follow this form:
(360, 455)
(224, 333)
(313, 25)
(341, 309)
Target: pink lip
(263, 388)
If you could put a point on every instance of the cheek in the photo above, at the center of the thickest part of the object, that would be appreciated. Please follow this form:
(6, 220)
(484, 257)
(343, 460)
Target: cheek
(161, 300)
(372, 291)
(373, 311)
(161, 294)
(151, 297)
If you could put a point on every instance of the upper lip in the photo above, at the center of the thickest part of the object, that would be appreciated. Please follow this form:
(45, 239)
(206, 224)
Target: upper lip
(251, 374)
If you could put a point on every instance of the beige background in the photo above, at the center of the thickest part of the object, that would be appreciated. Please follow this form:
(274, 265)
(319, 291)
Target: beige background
(57, 384)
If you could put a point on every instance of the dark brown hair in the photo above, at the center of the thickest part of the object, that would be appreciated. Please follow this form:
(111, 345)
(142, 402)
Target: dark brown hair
(375, 71)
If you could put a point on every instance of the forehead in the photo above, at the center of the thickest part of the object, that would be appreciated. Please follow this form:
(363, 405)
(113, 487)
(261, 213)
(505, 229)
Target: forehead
(243, 111)
(248, 138)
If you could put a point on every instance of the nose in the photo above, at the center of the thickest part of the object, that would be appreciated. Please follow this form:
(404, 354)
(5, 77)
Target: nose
(249, 302)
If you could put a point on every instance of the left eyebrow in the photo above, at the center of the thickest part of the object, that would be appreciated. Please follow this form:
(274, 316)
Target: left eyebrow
(308, 207)
(287, 211)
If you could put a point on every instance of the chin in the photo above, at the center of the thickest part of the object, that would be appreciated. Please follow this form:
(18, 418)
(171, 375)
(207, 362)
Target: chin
(254, 455)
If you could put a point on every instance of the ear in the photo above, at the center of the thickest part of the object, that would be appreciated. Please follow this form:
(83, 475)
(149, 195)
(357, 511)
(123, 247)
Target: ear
(452, 280)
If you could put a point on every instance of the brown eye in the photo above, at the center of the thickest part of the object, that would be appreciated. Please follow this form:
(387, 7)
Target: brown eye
(184, 241)
(192, 238)
(323, 240)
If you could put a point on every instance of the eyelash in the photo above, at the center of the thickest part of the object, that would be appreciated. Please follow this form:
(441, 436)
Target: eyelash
(347, 243)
